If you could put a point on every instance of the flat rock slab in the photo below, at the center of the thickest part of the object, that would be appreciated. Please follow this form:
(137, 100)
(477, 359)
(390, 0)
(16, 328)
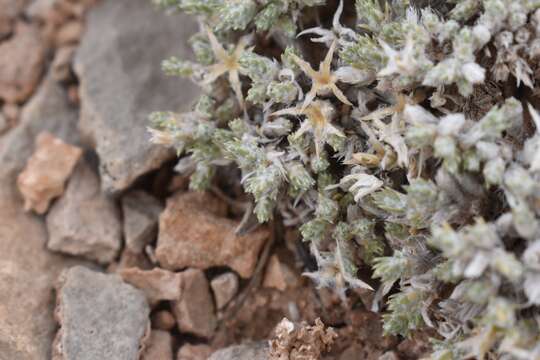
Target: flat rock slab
(46, 172)
(118, 64)
(192, 235)
(85, 222)
(100, 317)
(27, 271)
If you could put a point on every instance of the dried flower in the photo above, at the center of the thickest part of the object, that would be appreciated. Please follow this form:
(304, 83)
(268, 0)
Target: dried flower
(323, 80)
(227, 63)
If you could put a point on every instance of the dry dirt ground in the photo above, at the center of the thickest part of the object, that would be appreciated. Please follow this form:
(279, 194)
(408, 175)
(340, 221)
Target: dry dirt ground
(104, 253)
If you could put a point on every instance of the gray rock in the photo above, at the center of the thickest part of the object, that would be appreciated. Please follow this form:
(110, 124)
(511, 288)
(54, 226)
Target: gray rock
(100, 317)
(27, 271)
(118, 64)
(253, 351)
(141, 212)
(84, 221)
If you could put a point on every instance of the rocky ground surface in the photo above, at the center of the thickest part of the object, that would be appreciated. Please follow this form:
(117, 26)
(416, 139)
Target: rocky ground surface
(104, 253)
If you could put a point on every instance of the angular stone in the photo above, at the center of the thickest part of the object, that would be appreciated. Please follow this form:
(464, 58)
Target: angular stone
(100, 317)
(194, 352)
(389, 355)
(157, 284)
(121, 83)
(46, 172)
(27, 272)
(191, 235)
(278, 275)
(22, 59)
(158, 346)
(225, 287)
(163, 320)
(84, 222)
(141, 212)
(253, 351)
(195, 313)
(48, 110)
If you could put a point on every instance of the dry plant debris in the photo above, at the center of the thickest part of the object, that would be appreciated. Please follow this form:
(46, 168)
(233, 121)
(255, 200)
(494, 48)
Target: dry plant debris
(301, 341)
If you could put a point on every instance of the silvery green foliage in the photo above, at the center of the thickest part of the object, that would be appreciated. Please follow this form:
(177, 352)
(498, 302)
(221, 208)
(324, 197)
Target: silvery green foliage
(382, 138)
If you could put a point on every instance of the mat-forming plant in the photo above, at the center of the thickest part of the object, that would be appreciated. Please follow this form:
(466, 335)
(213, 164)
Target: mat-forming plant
(399, 135)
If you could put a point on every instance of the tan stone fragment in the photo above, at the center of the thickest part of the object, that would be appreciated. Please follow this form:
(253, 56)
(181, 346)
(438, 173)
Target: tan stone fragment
(46, 172)
(194, 352)
(192, 235)
(195, 313)
(84, 221)
(157, 284)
